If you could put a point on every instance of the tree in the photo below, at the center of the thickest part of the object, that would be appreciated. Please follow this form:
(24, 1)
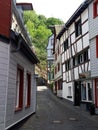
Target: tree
(38, 28)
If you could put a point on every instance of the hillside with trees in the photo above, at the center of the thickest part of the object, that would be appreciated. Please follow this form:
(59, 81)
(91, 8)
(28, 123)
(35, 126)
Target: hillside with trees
(38, 28)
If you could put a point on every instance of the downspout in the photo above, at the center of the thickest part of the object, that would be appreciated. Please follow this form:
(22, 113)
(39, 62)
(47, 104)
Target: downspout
(19, 45)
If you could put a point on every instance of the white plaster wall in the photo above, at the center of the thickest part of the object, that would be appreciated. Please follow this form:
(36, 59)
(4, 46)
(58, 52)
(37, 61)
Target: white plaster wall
(65, 90)
(84, 15)
(79, 45)
(85, 28)
(86, 40)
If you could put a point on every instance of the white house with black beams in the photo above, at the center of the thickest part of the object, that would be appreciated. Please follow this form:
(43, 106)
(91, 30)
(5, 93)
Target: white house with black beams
(75, 50)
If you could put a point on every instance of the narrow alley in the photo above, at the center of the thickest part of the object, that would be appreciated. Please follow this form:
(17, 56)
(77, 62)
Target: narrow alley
(56, 114)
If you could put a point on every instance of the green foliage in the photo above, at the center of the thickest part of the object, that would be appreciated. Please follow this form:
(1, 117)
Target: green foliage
(38, 27)
(54, 21)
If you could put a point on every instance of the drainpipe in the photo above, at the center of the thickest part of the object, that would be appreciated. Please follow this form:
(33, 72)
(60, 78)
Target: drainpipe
(19, 45)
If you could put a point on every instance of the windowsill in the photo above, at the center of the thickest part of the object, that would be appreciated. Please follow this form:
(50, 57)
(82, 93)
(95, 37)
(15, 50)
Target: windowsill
(95, 16)
(18, 109)
(85, 101)
(27, 106)
(69, 96)
(78, 37)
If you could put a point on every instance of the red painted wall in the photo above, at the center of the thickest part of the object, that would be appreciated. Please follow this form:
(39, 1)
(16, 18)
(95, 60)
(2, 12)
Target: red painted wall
(5, 17)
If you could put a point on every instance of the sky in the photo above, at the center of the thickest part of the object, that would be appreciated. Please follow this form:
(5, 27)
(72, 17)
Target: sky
(62, 9)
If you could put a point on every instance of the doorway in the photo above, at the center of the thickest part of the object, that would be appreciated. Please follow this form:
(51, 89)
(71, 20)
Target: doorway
(77, 93)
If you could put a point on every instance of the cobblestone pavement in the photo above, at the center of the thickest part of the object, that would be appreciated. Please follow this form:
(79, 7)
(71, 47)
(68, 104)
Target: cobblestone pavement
(56, 114)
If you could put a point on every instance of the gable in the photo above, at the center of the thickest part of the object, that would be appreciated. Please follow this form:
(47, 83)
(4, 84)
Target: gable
(5, 17)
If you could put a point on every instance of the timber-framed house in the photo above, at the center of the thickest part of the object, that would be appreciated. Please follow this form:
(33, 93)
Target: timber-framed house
(75, 53)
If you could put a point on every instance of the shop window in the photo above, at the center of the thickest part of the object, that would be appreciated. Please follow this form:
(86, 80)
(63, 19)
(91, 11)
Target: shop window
(83, 87)
(28, 89)
(95, 9)
(78, 28)
(86, 91)
(89, 91)
(19, 88)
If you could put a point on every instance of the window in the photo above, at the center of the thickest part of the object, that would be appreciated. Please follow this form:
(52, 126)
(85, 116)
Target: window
(95, 9)
(58, 51)
(75, 61)
(86, 91)
(80, 58)
(96, 46)
(58, 66)
(52, 40)
(19, 88)
(78, 28)
(69, 91)
(86, 55)
(28, 89)
(65, 45)
(67, 65)
(55, 56)
(55, 70)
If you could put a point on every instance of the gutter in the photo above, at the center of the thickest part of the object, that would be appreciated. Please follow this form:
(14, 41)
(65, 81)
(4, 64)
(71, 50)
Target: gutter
(76, 14)
(23, 47)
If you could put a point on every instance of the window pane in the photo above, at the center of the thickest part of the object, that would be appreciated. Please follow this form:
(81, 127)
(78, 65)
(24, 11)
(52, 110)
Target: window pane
(89, 91)
(78, 28)
(83, 94)
(17, 88)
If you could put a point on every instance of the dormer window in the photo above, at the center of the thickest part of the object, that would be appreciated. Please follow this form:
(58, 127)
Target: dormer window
(78, 28)
(95, 9)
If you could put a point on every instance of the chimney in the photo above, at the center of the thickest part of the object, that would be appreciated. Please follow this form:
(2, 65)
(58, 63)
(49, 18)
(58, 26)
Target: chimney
(5, 17)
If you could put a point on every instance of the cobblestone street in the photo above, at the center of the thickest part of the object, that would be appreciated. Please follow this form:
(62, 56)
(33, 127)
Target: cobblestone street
(56, 114)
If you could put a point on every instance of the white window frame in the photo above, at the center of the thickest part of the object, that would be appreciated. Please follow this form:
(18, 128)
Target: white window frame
(86, 85)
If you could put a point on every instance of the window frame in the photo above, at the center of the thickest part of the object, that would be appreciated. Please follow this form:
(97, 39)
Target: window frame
(95, 9)
(28, 89)
(97, 46)
(19, 88)
(78, 29)
(85, 84)
(66, 44)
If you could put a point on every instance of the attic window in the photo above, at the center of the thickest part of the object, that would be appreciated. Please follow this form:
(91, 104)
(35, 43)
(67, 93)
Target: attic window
(95, 9)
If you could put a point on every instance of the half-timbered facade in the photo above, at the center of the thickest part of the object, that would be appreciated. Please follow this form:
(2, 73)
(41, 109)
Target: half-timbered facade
(50, 60)
(75, 50)
(57, 62)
